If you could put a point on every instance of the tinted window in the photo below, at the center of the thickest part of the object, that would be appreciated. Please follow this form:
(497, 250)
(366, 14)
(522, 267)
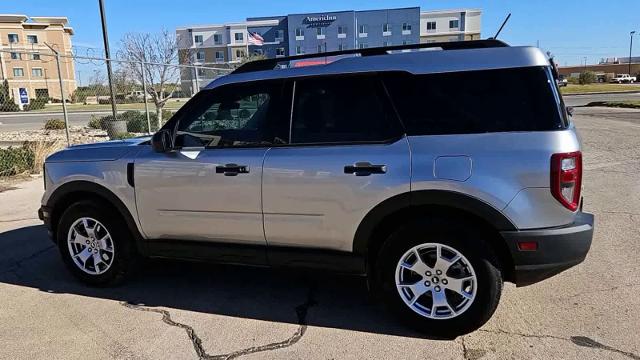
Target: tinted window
(475, 101)
(234, 115)
(341, 109)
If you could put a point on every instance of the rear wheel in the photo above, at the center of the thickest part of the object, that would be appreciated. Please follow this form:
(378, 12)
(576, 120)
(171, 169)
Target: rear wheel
(443, 279)
(95, 244)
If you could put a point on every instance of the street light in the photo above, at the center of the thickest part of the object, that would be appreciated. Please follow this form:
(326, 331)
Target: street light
(630, 48)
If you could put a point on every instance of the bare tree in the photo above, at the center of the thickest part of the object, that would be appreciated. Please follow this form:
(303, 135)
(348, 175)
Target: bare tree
(156, 55)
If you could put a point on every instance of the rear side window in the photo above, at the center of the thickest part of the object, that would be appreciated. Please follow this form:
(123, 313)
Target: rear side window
(342, 109)
(475, 101)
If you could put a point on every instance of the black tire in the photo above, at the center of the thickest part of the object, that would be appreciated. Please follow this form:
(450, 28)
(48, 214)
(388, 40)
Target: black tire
(467, 240)
(124, 255)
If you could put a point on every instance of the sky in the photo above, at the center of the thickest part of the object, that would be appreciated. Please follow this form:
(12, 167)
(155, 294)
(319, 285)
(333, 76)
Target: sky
(570, 29)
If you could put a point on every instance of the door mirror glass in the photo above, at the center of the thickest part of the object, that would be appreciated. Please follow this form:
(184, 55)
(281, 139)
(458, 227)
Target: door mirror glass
(162, 141)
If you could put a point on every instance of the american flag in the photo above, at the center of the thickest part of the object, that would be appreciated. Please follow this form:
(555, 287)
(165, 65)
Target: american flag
(256, 39)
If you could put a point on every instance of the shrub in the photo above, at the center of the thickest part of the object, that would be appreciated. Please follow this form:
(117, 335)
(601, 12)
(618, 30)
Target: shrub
(587, 77)
(96, 123)
(16, 160)
(9, 106)
(122, 136)
(36, 104)
(41, 149)
(54, 124)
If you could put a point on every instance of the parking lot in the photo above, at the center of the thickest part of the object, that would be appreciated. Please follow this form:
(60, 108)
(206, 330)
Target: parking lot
(186, 311)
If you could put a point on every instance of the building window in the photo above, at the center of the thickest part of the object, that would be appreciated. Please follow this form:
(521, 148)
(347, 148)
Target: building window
(299, 50)
(16, 56)
(217, 39)
(322, 48)
(239, 37)
(18, 72)
(200, 56)
(386, 28)
(219, 56)
(406, 27)
(36, 72)
(342, 30)
(239, 53)
(198, 39)
(406, 42)
(362, 29)
(299, 32)
(280, 51)
(454, 24)
(320, 31)
(363, 45)
(431, 25)
(35, 56)
(257, 51)
(342, 47)
(386, 43)
(13, 38)
(279, 35)
(32, 39)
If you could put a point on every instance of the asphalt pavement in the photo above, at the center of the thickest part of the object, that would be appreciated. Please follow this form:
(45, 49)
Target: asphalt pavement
(173, 310)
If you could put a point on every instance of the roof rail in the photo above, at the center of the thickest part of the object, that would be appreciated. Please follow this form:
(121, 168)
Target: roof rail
(270, 64)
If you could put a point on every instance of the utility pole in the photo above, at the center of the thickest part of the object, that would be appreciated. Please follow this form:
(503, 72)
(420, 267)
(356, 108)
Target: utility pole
(107, 53)
(630, 48)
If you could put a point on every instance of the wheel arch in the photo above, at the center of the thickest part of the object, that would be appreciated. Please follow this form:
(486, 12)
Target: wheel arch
(74, 191)
(383, 219)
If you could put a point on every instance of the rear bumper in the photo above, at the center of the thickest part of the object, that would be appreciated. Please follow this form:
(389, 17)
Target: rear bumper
(558, 249)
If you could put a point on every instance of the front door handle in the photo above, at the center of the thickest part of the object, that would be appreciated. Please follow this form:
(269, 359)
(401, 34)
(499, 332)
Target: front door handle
(232, 169)
(365, 169)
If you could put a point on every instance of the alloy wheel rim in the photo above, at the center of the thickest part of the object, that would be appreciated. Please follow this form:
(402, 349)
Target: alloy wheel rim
(90, 246)
(436, 281)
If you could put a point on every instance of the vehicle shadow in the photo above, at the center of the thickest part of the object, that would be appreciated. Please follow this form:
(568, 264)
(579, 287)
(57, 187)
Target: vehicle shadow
(28, 258)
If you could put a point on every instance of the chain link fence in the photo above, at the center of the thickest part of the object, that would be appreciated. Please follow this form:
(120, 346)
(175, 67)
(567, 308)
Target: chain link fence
(50, 101)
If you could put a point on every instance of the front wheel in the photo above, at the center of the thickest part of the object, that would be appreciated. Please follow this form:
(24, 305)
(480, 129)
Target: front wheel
(95, 244)
(439, 278)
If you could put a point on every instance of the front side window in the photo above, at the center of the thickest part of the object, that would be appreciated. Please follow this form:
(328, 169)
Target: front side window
(322, 48)
(341, 109)
(342, 30)
(341, 47)
(219, 55)
(13, 38)
(236, 115)
(299, 50)
(280, 51)
(239, 53)
(32, 39)
(454, 24)
(363, 45)
(200, 56)
(475, 101)
(18, 72)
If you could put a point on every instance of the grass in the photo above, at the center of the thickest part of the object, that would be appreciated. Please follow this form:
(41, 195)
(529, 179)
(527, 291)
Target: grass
(594, 88)
(631, 104)
(171, 105)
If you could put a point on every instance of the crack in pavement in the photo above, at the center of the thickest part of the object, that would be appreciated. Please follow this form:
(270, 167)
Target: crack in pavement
(471, 354)
(301, 312)
(582, 341)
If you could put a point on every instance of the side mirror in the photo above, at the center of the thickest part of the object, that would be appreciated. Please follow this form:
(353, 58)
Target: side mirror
(570, 110)
(162, 141)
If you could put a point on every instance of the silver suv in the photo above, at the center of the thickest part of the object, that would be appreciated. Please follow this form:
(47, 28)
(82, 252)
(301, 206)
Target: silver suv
(437, 174)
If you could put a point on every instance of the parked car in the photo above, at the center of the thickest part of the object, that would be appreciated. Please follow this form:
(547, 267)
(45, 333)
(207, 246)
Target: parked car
(432, 173)
(623, 78)
(562, 81)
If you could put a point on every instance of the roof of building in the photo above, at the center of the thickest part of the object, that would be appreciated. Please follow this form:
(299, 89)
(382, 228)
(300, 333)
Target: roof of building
(415, 62)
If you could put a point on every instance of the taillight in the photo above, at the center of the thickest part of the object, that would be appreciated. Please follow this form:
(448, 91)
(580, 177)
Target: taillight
(566, 178)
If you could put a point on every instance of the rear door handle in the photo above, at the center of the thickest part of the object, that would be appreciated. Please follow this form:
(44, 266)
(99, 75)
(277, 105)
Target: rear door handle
(365, 169)
(232, 169)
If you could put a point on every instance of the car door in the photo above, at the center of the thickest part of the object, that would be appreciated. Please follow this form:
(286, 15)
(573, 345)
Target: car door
(208, 188)
(347, 153)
